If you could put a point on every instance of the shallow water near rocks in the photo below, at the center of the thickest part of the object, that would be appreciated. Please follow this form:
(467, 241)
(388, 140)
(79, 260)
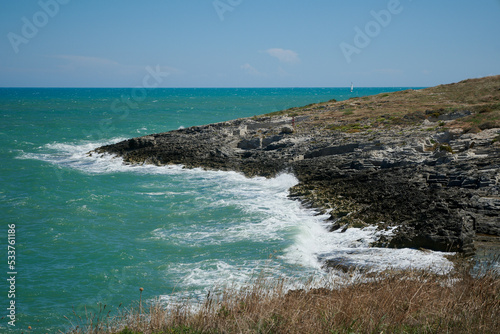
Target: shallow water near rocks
(91, 230)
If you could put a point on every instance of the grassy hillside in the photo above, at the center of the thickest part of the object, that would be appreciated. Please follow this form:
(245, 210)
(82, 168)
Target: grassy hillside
(394, 301)
(479, 97)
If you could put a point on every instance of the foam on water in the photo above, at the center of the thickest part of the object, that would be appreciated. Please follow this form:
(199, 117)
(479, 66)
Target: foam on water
(75, 155)
(94, 222)
(314, 246)
(309, 244)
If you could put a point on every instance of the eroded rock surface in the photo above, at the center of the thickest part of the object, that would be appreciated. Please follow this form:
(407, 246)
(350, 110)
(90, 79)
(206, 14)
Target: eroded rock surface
(439, 188)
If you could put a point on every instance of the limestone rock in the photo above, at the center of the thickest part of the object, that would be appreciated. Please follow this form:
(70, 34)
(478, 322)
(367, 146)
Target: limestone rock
(438, 198)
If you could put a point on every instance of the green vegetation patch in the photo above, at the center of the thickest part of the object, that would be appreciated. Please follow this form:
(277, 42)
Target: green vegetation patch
(484, 120)
(481, 97)
(446, 148)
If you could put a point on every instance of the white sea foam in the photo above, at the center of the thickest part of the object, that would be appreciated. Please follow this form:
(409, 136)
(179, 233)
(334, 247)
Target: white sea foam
(76, 156)
(314, 245)
(278, 218)
(196, 279)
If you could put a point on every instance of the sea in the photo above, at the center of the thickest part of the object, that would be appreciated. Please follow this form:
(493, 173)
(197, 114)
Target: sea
(80, 232)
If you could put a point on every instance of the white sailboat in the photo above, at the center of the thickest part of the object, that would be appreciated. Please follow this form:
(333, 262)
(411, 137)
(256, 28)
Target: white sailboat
(352, 87)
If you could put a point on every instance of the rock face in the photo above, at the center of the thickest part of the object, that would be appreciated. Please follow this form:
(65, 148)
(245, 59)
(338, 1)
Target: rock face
(439, 188)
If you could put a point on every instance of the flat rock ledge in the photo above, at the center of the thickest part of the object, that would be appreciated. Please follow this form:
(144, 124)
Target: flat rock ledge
(440, 188)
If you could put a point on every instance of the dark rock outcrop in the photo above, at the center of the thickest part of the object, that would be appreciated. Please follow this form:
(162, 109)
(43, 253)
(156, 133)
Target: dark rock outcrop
(439, 188)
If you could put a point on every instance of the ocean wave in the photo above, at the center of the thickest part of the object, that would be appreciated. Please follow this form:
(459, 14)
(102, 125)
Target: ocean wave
(307, 242)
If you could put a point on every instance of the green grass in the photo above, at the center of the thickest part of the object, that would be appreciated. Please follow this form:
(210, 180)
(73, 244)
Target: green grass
(446, 148)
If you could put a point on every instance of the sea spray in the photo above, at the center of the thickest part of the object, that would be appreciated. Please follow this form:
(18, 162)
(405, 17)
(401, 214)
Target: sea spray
(266, 199)
(95, 222)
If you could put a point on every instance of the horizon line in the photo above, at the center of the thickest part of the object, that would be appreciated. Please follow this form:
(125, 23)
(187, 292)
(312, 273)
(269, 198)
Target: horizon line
(270, 87)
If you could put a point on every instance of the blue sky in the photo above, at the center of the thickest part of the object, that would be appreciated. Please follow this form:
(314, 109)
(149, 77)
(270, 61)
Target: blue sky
(247, 43)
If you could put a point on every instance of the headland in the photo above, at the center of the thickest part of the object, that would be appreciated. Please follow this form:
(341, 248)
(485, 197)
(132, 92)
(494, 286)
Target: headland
(424, 161)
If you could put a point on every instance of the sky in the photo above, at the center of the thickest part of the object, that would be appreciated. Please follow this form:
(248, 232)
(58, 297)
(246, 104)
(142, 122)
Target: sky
(247, 43)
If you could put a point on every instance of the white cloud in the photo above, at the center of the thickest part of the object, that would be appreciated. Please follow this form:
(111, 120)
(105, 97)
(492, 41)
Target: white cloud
(251, 70)
(282, 72)
(285, 56)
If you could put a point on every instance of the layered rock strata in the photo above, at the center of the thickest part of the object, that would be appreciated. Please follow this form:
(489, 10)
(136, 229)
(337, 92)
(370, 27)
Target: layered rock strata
(440, 188)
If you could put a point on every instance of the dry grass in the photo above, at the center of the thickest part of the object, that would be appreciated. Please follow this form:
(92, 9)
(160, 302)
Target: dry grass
(392, 302)
(481, 97)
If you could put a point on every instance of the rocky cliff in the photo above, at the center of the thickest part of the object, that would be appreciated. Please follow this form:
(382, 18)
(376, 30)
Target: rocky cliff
(386, 160)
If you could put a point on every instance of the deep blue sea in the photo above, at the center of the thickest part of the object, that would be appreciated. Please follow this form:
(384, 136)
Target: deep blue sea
(91, 231)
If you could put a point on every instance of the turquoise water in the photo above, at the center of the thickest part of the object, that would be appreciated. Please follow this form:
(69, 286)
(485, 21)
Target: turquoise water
(92, 230)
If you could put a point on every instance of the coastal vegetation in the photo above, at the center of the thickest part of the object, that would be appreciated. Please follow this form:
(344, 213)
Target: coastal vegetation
(472, 104)
(424, 162)
(388, 302)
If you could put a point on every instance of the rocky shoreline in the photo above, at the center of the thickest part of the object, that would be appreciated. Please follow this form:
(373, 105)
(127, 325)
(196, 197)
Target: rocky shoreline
(439, 185)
